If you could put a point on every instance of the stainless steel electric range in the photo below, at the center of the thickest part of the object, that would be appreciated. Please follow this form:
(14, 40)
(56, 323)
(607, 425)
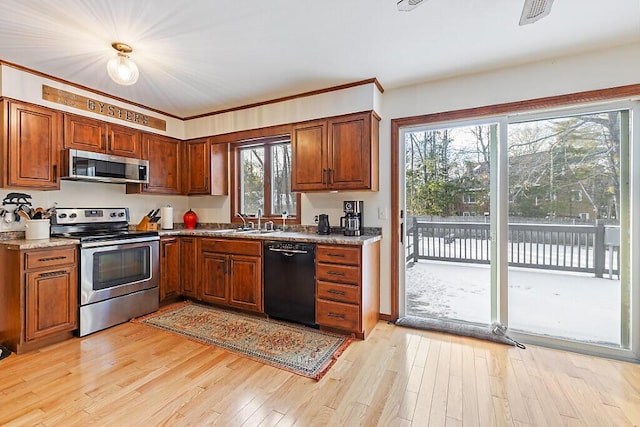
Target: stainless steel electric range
(119, 268)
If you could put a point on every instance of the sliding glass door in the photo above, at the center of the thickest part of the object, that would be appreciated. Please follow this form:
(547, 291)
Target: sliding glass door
(524, 220)
(448, 203)
(568, 199)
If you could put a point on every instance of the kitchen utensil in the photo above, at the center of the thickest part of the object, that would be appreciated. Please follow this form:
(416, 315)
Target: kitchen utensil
(24, 215)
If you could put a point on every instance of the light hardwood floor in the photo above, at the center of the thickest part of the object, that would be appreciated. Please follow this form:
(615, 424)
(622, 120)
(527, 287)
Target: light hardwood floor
(136, 375)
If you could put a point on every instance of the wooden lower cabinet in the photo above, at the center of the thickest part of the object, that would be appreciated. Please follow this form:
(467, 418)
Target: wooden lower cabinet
(215, 281)
(231, 273)
(170, 268)
(40, 297)
(348, 287)
(189, 267)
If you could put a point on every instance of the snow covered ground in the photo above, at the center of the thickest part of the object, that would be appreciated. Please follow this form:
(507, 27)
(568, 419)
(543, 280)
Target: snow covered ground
(561, 304)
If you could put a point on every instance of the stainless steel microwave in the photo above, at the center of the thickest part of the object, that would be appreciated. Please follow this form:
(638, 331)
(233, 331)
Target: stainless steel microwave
(80, 165)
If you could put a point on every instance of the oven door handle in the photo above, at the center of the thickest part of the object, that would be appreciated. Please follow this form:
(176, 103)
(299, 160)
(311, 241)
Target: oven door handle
(102, 243)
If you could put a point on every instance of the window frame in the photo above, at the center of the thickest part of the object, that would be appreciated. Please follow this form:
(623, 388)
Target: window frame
(266, 141)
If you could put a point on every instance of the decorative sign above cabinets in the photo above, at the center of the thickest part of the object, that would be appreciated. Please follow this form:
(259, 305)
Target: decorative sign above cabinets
(80, 102)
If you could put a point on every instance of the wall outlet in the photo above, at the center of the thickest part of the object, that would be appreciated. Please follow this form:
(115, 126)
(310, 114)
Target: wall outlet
(383, 213)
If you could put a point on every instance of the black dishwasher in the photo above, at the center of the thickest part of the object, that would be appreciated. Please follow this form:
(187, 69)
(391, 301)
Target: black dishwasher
(290, 281)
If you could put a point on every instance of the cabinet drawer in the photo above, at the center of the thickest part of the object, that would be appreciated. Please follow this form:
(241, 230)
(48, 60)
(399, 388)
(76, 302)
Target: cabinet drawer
(349, 255)
(50, 257)
(232, 246)
(338, 315)
(339, 292)
(338, 273)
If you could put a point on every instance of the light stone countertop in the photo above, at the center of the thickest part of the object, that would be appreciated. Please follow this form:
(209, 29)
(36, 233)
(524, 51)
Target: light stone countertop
(293, 236)
(23, 244)
(333, 239)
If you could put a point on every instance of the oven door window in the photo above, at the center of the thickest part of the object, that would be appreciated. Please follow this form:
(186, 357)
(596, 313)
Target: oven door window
(121, 266)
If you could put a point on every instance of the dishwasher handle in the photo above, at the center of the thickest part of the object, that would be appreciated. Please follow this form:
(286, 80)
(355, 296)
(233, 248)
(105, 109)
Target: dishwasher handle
(288, 252)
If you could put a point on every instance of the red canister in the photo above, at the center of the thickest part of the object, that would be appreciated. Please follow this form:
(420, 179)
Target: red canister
(190, 219)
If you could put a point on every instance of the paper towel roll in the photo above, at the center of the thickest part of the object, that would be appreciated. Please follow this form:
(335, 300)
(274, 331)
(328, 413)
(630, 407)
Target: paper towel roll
(166, 221)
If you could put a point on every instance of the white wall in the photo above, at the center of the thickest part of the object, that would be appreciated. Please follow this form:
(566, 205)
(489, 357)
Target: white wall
(99, 195)
(349, 100)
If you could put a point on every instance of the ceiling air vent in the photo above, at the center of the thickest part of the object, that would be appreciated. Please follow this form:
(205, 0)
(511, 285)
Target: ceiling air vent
(534, 10)
(407, 5)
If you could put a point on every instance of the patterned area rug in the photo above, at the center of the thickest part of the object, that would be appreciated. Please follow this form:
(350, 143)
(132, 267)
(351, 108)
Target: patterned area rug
(298, 349)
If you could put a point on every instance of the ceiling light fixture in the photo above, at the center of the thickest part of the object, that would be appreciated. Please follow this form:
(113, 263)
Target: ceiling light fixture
(121, 69)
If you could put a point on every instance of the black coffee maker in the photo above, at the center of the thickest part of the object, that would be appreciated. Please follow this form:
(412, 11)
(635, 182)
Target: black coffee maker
(351, 222)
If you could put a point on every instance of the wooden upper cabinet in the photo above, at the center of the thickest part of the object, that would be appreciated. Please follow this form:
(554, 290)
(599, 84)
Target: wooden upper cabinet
(349, 153)
(219, 169)
(197, 166)
(340, 153)
(164, 155)
(309, 157)
(205, 167)
(83, 133)
(31, 140)
(123, 141)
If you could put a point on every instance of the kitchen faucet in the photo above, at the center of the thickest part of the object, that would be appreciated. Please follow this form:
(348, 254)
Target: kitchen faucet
(242, 217)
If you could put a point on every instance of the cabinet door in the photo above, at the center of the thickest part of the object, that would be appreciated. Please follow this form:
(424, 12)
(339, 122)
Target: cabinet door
(83, 133)
(219, 169)
(170, 268)
(349, 147)
(34, 138)
(213, 281)
(164, 157)
(309, 156)
(123, 141)
(197, 167)
(51, 302)
(189, 251)
(245, 282)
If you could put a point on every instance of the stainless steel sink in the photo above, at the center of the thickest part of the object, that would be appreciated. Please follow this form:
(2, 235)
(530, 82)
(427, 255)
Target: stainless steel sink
(255, 231)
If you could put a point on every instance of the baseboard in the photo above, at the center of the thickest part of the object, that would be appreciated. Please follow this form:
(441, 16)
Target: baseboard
(386, 317)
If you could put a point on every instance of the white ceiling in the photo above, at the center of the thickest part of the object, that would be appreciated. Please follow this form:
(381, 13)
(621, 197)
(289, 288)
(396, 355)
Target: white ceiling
(199, 56)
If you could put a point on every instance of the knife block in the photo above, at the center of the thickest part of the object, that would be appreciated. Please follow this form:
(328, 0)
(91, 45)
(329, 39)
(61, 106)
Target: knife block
(145, 225)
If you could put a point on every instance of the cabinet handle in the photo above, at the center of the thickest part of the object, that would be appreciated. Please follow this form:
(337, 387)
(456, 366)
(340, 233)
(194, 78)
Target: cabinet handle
(333, 291)
(54, 273)
(55, 173)
(329, 179)
(335, 273)
(53, 258)
(336, 255)
(336, 315)
(324, 172)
